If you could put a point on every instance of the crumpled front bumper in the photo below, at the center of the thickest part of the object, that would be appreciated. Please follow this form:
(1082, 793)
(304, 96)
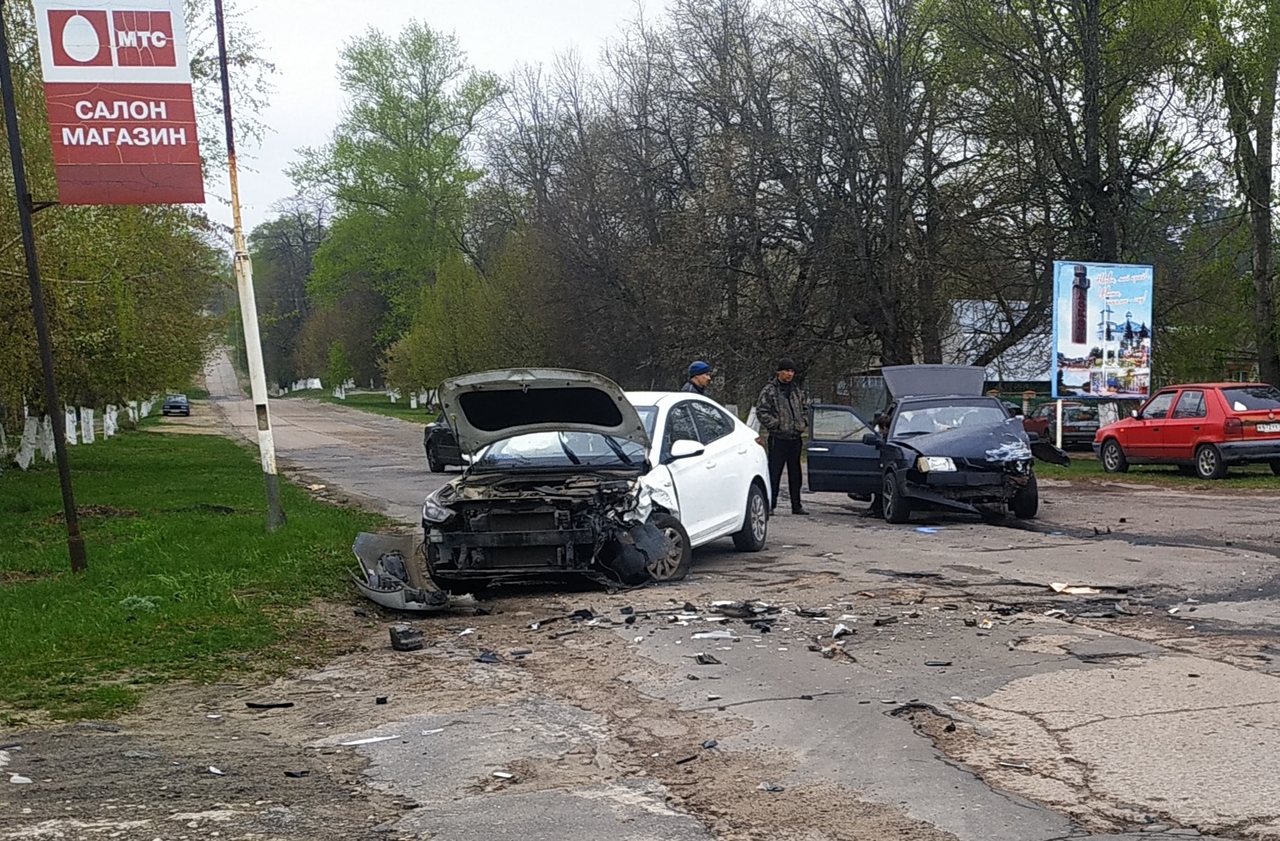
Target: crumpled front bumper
(963, 490)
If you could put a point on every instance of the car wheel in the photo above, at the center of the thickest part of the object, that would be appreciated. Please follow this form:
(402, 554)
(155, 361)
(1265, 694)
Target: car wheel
(674, 565)
(434, 464)
(1113, 460)
(1209, 463)
(1026, 500)
(897, 508)
(755, 528)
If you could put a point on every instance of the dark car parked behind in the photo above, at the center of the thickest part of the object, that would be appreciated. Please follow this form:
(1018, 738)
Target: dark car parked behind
(176, 404)
(441, 446)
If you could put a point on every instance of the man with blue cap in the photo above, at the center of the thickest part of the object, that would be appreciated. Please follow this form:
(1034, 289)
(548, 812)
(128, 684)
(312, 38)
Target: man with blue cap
(699, 378)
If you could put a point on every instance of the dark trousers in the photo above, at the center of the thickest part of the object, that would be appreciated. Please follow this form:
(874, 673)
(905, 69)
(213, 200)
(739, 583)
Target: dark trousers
(785, 452)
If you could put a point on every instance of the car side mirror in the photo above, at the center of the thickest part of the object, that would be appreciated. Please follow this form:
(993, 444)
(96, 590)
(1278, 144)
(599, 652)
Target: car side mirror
(872, 438)
(1134, 414)
(685, 448)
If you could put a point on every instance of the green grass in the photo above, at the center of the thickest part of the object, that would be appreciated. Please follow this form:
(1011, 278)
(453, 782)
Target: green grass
(183, 582)
(1085, 468)
(376, 403)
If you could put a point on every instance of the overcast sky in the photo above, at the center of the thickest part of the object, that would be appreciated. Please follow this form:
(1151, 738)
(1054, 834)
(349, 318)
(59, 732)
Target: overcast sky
(303, 37)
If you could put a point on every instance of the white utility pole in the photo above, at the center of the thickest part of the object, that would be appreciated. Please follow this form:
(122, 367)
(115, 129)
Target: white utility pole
(243, 269)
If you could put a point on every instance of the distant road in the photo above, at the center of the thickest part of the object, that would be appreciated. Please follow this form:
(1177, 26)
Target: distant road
(375, 458)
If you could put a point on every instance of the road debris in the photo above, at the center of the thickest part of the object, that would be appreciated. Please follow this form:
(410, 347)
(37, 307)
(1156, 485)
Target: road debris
(709, 744)
(371, 740)
(217, 771)
(937, 662)
(404, 638)
(1017, 766)
(687, 759)
(706, 660)
(716, 635)
(768, 786)
(297, 775)
(1069, 590)
(19, 780)
(380, 700)
(504, 775)
(488, 657)
(268, 705)
(841, 630)
(881, 621)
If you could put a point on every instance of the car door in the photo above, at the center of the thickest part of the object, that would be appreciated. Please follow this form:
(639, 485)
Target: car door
(838, 458)
(726, 497)
(1183, 428)
(1146, 437)
(693, 478)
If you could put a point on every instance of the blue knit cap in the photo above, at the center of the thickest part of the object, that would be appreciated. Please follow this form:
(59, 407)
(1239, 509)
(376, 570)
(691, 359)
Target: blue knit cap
(699, 368)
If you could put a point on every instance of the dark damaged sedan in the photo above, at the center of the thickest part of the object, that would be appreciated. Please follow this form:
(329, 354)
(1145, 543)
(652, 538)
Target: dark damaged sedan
(939, 445)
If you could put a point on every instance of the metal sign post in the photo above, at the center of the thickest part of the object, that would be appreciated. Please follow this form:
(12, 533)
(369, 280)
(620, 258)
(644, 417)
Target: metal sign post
(243, 269)
(75, 542)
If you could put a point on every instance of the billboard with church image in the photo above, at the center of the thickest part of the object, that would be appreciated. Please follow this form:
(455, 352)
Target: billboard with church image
(1101, 330)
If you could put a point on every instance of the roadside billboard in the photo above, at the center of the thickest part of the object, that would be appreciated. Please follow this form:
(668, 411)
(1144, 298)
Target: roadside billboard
(1102, 330)
(117, 81)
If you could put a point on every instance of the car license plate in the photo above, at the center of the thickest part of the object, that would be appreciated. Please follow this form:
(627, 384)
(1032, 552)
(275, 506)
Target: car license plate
(1269, 427)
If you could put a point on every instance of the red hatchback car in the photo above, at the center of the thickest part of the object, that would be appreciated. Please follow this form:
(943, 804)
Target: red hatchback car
(1201, 428)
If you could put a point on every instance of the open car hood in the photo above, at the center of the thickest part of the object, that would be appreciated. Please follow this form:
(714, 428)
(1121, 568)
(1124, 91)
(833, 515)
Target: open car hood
(1001, 442)
(494, 405)
(927, 380)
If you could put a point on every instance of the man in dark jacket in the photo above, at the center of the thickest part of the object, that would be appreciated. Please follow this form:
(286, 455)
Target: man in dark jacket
(783, 411)
(699, 378)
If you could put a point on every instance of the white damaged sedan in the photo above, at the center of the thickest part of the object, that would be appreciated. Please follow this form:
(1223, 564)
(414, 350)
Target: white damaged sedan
(570, 476)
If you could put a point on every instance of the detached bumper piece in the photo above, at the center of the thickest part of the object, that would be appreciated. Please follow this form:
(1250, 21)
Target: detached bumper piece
(385, 561)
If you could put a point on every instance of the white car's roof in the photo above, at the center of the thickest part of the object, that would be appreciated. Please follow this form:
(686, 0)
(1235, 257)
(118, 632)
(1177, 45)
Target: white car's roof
(653, 398)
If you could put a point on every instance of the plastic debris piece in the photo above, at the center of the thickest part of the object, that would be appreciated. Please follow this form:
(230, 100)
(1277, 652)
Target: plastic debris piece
(638, 639)
(627, 610)
(488, 657)
(371, 740)
(1017, 766)
(1173, 610)
(381, 699)
(19, 780)
(841, 631)
(522, 652)
(213, 717)
(268, 705)
(297, 775)
(706, 660)
(714, 697)
(432, 732)
(686, 759)
(811, 612)
(504, 775)
(709, 744)
(689, 608)
(581, 615)
(630, 620)
(404, 638)
(937, 662)
(881, 621)
(716, 635)
(768, 786)
(217, 771)
(1070, 590)
(464, 632)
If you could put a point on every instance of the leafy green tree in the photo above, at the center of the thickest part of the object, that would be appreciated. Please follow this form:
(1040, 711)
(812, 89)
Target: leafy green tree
(397, 167)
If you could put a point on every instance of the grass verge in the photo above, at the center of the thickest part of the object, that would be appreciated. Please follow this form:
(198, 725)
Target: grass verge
(1250, 477)
(183, 582)
(373, 402)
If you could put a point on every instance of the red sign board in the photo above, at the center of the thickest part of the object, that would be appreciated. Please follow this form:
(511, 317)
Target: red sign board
(121, 114)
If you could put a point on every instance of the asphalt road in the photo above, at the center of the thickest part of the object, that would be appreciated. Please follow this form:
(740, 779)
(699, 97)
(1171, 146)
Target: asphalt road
(968, 699)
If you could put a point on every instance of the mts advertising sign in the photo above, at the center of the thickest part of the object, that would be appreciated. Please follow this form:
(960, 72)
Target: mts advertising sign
(118, 86)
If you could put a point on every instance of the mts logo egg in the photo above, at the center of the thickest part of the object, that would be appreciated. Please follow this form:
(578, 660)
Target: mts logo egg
(80, 38)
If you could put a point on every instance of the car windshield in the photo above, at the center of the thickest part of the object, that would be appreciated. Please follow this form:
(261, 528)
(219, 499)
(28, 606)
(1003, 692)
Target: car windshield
(940, 415)
(1253, 398)
(560, 449)
(648, 417)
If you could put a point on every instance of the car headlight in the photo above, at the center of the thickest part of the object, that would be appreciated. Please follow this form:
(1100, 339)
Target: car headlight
(935, 464)
(434, 512)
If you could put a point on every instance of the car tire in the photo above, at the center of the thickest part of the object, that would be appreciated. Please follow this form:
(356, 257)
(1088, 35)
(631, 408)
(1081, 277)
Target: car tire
(1209, 463)
(675, 565)
(897, 508)
(1113, 458)
(1026, 500)
(434, 464)
(755, 526)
